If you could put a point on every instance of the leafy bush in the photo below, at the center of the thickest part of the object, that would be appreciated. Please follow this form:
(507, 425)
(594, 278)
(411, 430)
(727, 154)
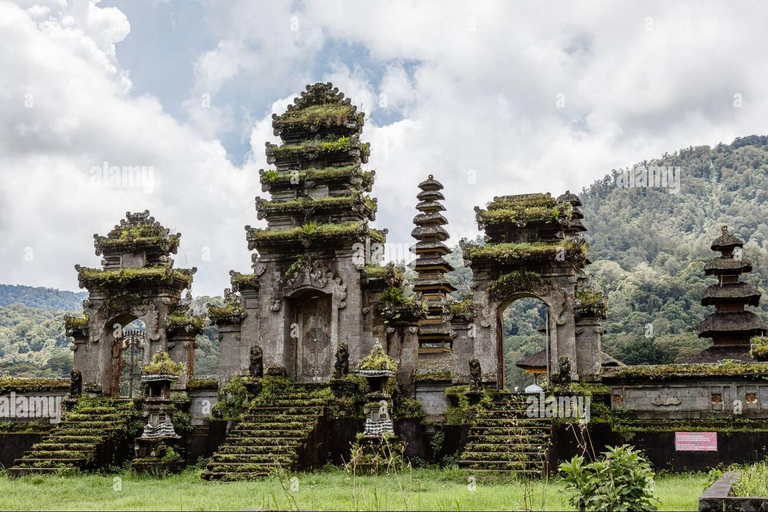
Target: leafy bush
(620, 480)
(162, 365)
(232, 402)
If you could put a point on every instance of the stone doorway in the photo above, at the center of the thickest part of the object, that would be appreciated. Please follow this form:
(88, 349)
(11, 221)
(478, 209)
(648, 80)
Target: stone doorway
(133, 344)
(312, 353)
(522, 343)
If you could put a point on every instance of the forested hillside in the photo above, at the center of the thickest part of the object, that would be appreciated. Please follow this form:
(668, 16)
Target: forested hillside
(648, 248)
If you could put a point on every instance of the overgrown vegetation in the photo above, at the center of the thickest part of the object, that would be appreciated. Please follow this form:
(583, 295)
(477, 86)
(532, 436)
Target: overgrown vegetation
(620, 480)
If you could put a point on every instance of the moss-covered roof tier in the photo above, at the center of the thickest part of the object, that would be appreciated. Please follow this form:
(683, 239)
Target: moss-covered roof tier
(312, 235)
(530, 255)
(346, 208)
(320, 109)
(350, 177)
(137, 233)
(726, 368)
(93, 278)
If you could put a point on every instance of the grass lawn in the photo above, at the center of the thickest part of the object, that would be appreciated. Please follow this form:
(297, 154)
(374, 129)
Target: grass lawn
(332, 489)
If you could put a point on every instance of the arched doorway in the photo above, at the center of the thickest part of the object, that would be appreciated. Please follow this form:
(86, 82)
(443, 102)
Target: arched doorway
(523, 334)
(129, 352)
(309, 332)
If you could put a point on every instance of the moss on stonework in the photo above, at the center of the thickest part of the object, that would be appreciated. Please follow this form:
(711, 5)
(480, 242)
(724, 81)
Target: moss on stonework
(340, 144)
(580, 388)
(759, 348)
(319, 204)
(522, 201)
(310, 231)
(162, 364)
(394, 274)
(464, 308)
(591, 303)
(202, 384)
(21, 384)
(328, 114)
(93, 276)
(529, 253)
(527, 214)
(237, 279)
(727, 368)
(325, 174)
(176, 321)
(433, 376)
(378, 360)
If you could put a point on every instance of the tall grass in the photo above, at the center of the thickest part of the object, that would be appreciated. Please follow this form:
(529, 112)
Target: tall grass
(330, 489)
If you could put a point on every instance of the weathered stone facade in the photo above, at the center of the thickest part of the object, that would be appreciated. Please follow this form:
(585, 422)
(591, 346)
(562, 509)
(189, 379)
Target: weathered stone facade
(137, 281)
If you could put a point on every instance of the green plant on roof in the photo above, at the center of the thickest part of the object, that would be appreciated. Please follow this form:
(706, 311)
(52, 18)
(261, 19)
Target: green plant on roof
(128, 275)
(327, 113)
(520, 253)
(162, 364)
(311, 231)
(759, 348)
(378, 360)
(72, 323)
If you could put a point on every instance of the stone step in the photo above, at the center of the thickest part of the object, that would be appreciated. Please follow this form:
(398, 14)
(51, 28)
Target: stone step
(502, 465)
(513, 447)
(266, 458)
(47, 463)
(265, 441)
(256, 450)
(91, 439)
(57, 454)
(234, 477)
(517, 456)
(49, 446)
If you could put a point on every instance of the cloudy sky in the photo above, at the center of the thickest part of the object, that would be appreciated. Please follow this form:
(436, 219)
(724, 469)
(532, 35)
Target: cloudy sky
(492, 98)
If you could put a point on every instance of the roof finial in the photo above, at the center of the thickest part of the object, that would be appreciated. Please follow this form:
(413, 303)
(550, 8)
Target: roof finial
(724, 229)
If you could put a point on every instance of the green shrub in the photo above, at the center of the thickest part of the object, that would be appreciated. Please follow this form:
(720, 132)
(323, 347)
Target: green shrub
(232, 402)
(620, 480)
(162, 364)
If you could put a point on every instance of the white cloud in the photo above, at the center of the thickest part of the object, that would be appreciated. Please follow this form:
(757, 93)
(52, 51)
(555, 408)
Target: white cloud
(470, 88)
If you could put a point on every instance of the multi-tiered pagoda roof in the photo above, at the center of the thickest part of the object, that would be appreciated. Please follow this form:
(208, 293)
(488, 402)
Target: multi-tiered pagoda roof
(528, 234)
(731, 326)
(318, 189)
(434, 331)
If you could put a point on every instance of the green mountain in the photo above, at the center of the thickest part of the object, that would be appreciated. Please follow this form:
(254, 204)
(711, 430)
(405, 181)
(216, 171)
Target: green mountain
(43, 298)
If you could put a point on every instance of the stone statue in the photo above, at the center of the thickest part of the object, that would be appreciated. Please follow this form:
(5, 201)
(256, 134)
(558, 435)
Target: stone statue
(564, 370)
(341, 367)
(475, 373)
(256, 369)
(75, 383)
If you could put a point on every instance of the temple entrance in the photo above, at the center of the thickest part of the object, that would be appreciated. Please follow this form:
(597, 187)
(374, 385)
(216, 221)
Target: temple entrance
(132, 358)
(310, 334)
(522, 344)
(127, 355)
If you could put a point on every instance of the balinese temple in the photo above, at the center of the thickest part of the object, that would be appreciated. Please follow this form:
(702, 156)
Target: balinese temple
(731, 326)
(435, 333)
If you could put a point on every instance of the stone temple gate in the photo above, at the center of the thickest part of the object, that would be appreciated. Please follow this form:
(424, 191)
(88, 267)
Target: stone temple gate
(137, 281)
(533, 249)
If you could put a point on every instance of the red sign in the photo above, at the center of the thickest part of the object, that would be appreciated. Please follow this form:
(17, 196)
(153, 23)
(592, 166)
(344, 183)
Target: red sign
(695, 441)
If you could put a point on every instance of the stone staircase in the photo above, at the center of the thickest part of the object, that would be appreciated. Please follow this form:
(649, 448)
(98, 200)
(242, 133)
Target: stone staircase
(504, 441)
(278, 431)
(94, 434)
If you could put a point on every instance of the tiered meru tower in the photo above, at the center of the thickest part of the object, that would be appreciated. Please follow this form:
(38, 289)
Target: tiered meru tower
(731, 327)
(435, 333)
(306, 294)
